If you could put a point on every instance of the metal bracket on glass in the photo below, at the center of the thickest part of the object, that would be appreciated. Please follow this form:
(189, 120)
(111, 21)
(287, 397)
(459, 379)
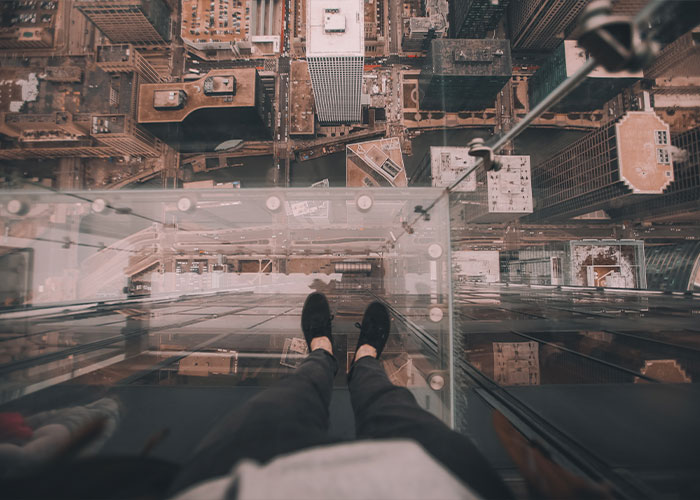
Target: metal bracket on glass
(478, 148)
(423, 211)
(614, 41)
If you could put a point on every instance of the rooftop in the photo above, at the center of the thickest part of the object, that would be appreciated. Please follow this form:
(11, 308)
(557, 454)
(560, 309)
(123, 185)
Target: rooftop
(205, 92)
(510, 189)
(576, 57)
(375, 163)
(301, 98)
(644, 155)
(335, 27)
(448, 163)
(462, 57)
(28, 14)
(222, 21)
(114, 53)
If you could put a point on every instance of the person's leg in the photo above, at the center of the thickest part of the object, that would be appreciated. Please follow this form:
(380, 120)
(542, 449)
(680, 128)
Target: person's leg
(383, 410)
(289, 416)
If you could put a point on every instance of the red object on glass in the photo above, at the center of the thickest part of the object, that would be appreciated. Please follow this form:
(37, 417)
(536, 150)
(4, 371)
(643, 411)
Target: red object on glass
(12, 426)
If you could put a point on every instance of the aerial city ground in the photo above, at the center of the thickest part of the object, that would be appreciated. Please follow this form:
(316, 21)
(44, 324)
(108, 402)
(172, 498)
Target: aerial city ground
(137, 252)
(104, 95)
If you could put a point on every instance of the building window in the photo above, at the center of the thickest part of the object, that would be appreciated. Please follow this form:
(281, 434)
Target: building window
(661, 137)
(663, 156)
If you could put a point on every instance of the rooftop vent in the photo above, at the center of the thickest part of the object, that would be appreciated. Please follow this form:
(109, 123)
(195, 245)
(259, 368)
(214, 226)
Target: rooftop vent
(333, 21)
(466, 55)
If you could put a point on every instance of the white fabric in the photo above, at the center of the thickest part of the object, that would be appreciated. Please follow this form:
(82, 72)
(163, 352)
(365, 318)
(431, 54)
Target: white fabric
(387, 469)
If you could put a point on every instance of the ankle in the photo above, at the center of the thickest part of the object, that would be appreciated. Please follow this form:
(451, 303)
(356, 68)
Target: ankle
(364, 351)
(321, 343)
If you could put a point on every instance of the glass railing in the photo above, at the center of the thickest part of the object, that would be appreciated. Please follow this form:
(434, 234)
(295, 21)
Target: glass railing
(145, 296)
(206, 287)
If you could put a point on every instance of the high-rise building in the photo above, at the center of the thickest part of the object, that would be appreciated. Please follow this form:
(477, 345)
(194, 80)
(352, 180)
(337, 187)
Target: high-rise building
(188, 114)
(97, 122)
(144, 22)
(682, 198)
(475, 18)
(122, 134)
(464, 74)
(335, 53)
(493, 196)
(126, 59)
(628, 7)
(674, 267)
(419, 31)
(622, 162)
(592, 93)
(678, 58)
(542, 24)
(28, 25)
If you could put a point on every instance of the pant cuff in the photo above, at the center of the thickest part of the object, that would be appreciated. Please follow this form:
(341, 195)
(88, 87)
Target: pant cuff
(355, 363)
(334, 362)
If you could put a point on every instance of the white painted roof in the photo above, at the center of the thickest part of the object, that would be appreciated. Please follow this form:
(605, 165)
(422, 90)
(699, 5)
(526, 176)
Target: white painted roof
(335, 28)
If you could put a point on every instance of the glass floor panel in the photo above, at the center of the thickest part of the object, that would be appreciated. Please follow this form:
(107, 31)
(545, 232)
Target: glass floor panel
(160, 298)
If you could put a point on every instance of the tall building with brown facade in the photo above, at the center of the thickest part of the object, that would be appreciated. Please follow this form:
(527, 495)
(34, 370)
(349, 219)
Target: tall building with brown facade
(623, 162)
(143, 22)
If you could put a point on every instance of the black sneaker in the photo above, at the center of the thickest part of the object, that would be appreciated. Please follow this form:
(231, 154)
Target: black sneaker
(316, 318)
(375, 327)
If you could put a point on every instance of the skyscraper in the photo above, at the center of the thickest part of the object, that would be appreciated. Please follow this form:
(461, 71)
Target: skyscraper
(542, 24)
(419, 31)
(97, 123)
(126, 59)
(674, 267)
(464, 74)
(682, 198)
(474, 18)
(189, 114)
(620, 163)
(592, 93)
(679, 58)
(335, 52)
(144, 22)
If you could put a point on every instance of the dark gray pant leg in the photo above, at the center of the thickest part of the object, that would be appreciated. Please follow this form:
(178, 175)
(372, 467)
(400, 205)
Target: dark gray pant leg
(383, 410)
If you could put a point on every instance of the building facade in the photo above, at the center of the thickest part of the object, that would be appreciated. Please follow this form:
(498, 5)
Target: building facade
(542, 24)
(591, 94)
(97, 123)
(674, 267)
(475, 18)
(624, 161)
(143, 22)
(126, 59)
(678, 58)
(464, 74)
(335, 53)
(682, 198)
